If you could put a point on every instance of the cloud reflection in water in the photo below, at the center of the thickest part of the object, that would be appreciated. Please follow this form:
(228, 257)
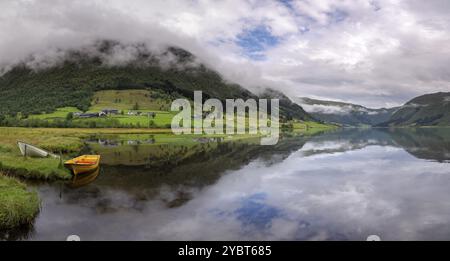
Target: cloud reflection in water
(329, 192)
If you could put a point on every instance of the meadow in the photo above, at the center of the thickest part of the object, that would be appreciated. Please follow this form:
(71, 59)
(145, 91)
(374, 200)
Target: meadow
(133, 107)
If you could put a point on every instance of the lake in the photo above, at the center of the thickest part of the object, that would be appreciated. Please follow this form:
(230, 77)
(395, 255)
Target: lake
(341, 185)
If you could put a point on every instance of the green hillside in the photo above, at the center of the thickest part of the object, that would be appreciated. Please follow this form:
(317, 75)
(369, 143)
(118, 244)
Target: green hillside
(426, 110)
(122, 100)
(288, 109)
(75, 82)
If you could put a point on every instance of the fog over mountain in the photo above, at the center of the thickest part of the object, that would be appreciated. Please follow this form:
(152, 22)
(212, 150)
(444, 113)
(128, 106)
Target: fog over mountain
(378, 53)
(347, 114)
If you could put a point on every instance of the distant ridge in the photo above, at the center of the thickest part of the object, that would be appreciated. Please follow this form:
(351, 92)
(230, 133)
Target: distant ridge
(426, 110)
(344, 113)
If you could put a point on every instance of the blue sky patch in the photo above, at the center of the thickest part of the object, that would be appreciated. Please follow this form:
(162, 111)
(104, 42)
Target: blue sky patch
(287, 3)
(254, 42)
(337, 16)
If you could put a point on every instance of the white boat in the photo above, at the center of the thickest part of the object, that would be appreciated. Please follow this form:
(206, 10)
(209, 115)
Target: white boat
(33, 151)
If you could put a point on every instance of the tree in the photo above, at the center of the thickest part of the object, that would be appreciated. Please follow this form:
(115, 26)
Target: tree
(136, 106)
(69, 116)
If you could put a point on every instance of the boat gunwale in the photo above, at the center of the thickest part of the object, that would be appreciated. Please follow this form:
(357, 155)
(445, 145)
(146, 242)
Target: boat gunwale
(73, 162)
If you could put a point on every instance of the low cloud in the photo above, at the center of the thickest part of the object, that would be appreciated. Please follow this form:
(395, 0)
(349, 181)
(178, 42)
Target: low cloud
(375, 53)
(111, 53)
(327, 109)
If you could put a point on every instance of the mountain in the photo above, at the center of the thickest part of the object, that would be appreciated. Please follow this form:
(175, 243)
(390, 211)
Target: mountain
(344, 113)
(78, 74)
(426, 110)
(288, 108)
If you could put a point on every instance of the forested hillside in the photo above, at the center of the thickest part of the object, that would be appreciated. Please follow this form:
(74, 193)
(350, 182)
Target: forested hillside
(74, 82)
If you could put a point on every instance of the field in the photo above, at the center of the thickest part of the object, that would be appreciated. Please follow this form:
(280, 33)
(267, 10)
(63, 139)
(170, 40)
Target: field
(311, 125)
(162, 119)
(60, 113)
(130, 100)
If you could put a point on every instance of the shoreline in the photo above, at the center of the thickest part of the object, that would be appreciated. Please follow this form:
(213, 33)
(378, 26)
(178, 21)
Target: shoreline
(70, 141)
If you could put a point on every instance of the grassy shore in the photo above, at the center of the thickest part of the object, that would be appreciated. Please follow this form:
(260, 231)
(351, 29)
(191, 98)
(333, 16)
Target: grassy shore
(56, 140)
(70, 141)
(18, 205)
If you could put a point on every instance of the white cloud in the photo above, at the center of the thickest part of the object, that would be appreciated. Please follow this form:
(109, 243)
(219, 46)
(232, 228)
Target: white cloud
(343, 195)
(327, 109)
(375, 53)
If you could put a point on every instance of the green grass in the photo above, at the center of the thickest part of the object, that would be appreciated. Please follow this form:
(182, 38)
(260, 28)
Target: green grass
(33, 168)
(310, 125)
(161, 120)
(18, 205)
(60, 113)
(14, 163)
(52, 139)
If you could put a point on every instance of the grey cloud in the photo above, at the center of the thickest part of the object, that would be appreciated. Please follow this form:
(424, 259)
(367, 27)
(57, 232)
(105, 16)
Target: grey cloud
(377, 55)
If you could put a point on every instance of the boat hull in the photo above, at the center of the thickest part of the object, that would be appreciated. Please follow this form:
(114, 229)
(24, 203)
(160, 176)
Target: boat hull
(31, 151)
(83, 164)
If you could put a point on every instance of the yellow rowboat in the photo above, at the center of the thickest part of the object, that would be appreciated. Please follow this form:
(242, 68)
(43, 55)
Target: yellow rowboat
(83, 164)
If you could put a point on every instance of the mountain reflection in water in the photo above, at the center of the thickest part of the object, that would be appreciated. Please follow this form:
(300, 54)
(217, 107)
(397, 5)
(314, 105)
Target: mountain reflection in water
(342, 185)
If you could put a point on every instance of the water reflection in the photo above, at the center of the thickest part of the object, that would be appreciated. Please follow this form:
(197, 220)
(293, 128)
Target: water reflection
(84, 179)
(343, 185)
(430, 144)
(423, 143)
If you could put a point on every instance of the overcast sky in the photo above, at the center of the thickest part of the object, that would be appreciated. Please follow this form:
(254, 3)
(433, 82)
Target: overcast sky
(371, 52)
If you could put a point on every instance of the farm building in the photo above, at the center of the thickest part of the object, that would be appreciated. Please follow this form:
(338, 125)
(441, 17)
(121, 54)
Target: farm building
(110, 111)
(88, 115)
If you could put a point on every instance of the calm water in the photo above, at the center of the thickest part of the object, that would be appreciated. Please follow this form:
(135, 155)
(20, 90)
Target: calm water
(343, 185)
